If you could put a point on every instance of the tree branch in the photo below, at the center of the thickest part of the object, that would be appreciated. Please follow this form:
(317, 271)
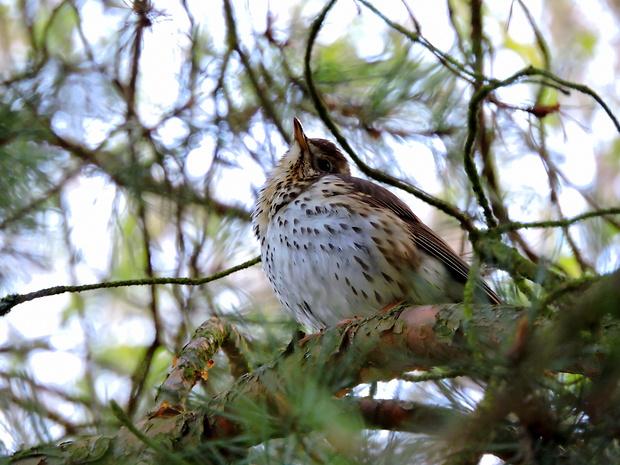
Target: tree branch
(8, 302)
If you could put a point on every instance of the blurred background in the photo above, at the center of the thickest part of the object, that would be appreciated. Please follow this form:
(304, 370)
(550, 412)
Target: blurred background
(134, 138)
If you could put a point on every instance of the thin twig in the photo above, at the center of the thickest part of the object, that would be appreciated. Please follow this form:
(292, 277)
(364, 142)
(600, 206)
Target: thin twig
(261, 94)
(10, 301)
(454, 65)
(484, 145)
(556, 223)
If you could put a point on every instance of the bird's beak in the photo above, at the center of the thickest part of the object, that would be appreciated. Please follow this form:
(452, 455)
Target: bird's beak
(300, 137)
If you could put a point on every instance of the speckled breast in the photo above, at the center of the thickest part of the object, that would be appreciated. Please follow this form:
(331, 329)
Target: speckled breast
(325, 256)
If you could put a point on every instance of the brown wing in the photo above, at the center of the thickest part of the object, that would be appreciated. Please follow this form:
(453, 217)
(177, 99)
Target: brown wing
(424, 237)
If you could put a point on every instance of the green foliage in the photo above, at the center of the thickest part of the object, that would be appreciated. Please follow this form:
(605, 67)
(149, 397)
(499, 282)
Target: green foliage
(26, 163)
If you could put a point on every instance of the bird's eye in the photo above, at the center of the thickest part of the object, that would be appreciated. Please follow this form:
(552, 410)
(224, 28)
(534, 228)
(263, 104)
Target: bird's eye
(324, 165)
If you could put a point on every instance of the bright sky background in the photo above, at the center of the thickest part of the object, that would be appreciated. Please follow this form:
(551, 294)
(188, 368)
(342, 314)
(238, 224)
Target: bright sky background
(90, 199)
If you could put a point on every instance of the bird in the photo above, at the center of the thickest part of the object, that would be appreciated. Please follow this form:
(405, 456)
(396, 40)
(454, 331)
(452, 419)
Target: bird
(337, 247)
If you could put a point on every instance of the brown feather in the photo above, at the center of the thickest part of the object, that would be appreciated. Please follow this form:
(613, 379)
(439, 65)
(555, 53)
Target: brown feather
(424, 237)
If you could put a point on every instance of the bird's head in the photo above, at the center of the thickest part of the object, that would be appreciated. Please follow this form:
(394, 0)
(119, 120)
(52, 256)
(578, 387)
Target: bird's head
(311, 158)
(306, 161)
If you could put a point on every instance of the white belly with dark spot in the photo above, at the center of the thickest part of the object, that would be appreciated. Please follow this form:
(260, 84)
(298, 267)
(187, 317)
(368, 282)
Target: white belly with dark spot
(325, 266)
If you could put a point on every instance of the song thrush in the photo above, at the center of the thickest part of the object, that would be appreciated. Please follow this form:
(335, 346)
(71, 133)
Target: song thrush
(335, 247)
